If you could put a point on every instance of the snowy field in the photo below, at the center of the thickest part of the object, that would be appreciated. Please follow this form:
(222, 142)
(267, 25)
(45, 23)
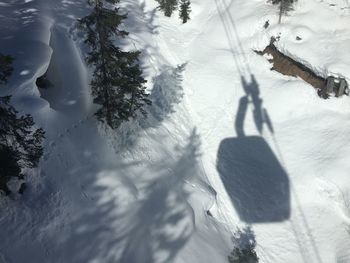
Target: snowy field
(228, 142)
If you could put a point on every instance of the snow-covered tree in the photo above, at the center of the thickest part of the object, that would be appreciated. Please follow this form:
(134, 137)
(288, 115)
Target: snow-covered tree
(243, 255)
(244, 251)
(20, 144)
(167, 6)
(117, 83)
(185, 10)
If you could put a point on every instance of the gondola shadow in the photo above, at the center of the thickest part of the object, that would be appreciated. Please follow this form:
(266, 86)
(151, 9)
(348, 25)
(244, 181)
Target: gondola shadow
(253, 176)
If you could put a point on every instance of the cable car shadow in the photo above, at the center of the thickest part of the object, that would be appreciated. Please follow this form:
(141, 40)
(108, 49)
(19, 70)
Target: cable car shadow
(253, 176)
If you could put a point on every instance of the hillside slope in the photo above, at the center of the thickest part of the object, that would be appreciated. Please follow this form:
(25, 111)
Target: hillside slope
(228, 143)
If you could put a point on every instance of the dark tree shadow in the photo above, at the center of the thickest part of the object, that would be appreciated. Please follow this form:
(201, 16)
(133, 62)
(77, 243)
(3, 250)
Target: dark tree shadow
(24, 34)
(165, 221)
(66, 13)
(130, 219)
(103, 211)
(15, 16)
(140, 20)
(252, 174)
(84, 219)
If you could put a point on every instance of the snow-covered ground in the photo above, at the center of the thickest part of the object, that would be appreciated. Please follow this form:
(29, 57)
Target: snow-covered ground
(225, 135)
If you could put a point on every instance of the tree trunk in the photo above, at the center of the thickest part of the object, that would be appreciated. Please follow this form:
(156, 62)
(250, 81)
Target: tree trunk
(104, 70)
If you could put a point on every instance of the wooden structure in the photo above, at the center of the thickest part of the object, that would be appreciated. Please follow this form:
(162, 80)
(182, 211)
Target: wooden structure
(290, 67)
(336, 86)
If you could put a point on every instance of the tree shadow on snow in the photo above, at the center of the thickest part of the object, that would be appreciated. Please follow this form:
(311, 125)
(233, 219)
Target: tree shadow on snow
(139, 20)
(66, 12)
(126, 217)
(140, 23)
(22, 27)
(165, 220)
(25, 33)
(167, 92)
(252, 174)
(16, 15)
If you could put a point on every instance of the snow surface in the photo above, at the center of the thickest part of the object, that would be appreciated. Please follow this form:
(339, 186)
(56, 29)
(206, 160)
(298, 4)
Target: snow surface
(225, 135)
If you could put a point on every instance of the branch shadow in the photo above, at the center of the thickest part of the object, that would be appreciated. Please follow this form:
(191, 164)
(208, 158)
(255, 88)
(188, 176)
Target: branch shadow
(15, 16)
(253, 176)
(165, 219)
(66, 12)
(140, 21)
(22, 41)
(25, 32)
(131, 219)
(103, 211)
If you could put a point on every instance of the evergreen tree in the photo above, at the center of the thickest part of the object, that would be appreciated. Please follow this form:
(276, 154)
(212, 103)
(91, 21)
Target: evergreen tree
(244, 255)
(9, 167)
(284, 7)
(185, 10)
(244, 251)
(117, 83)
(20, 145)
(162, 4)
(167, 6)
(5, 67)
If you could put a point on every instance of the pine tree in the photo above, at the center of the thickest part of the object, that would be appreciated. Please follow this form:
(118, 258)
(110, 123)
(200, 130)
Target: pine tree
(185, 10)
(167, 6)
(245, 244)
(284, 7)
(117, 83)
(9, 167)
(244, 255)
(162, 4)
(20, 145)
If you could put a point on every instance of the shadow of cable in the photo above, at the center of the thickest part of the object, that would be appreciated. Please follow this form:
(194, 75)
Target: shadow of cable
(253, 176)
